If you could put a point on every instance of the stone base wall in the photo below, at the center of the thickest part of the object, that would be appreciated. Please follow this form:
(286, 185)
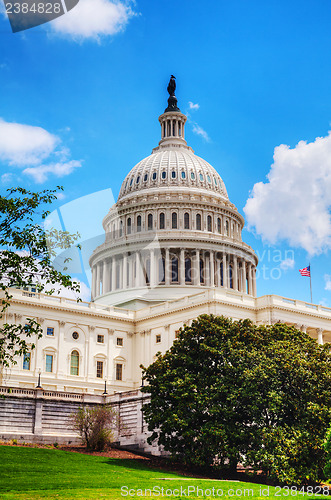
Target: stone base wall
(38, 416)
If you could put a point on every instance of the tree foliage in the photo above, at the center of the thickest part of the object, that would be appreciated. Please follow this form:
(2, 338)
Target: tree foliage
(26, 252)
(94, 425)
(229, 392)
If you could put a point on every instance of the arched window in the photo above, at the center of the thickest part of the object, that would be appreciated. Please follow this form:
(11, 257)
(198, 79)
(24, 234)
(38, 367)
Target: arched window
(219, 225)
(227, 228)
(150, 222)
(74, 363)
(164, 174)
(129, 225)
(174, 269)
(198, 222)
(209, 223)
(162, 220)
(169, 130)
(121, 228)
(221, 273)
(188, 277)
(186, 221)
(139, 224)
(174, 220)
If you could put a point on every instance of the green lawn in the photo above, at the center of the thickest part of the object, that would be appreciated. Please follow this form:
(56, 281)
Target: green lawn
(31, 473)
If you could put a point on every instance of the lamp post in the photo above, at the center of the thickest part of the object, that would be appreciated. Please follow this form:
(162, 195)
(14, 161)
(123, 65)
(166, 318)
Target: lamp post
(39, 384)
(105, 391)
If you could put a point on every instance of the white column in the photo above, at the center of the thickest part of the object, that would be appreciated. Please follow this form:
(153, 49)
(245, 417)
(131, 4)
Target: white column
(93, 284)
(104, 277)
(212, 268)
(217, 274)
(196, 268)
(235, 273)
(98, 279)
(225, 271)
(113, 274)
(125, 270)
(152, 267)
(182, 267)
(250, 283)
(320, 336)
(167, 267)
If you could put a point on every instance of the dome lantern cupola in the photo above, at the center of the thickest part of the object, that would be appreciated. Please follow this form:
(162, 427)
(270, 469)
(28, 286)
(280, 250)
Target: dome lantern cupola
(172, 121)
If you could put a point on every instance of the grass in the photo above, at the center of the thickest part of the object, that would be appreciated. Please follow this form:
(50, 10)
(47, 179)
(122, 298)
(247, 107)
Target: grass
(32, 473)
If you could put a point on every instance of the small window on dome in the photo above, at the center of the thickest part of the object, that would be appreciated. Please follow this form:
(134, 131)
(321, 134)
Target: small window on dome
(201, 177)
(173, 174)
(154, 176)
(208, 178)
(164, 174)
(126, 184)
(183, 175)
(145, 177)
(131, 181)
(220, 184)
(215, 181)
(138, 179)
(192, 176)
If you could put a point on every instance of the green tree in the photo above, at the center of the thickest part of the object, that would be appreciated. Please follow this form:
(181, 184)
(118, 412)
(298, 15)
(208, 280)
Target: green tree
(26, 252)
(230, 391)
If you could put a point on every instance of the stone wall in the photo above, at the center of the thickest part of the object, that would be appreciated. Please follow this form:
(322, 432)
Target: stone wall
(38, 416)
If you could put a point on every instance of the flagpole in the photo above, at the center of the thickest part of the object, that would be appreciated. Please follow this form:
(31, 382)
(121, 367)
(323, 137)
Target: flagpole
(311, 293)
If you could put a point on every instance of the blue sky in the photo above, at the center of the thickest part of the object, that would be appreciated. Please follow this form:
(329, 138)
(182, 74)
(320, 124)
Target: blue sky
(80, 98)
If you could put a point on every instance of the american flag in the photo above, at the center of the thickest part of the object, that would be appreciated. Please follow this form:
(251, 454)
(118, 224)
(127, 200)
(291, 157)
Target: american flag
(305, 271)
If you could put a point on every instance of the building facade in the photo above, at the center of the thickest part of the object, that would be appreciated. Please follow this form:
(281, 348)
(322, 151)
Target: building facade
(173, 250)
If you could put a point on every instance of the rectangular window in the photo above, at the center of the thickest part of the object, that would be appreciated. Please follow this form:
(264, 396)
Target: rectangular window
(27, 361)
(100, 369)
(50, 332)
(119, 341)
(49, 363)
(100, 339)
(158, 338)
(119, 371)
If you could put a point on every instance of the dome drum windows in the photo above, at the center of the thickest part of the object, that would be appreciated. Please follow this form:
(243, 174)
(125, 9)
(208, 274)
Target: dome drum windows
(183, 174)
(154, 175)
(150, 222)
(162, 220)
(174, 220)
(139, 224)
(209, 223)
(186, 220)
(198, 222)
(173, 174)
(129, 225)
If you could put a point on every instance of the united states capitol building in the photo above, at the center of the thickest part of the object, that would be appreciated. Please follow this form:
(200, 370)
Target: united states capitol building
(172, 251)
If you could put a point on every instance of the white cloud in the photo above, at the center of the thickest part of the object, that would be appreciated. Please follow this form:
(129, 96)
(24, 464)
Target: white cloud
(41, 173)
(294, 204)
(94, 19)
(34, 149)
(200, 131)
(24, 144)
(7, 178)
(194, 107)
(287, 264)
(327, 278)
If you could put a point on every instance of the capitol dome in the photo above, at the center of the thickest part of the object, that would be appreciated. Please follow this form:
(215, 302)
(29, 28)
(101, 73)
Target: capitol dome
(173, 167)
(173, 229)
